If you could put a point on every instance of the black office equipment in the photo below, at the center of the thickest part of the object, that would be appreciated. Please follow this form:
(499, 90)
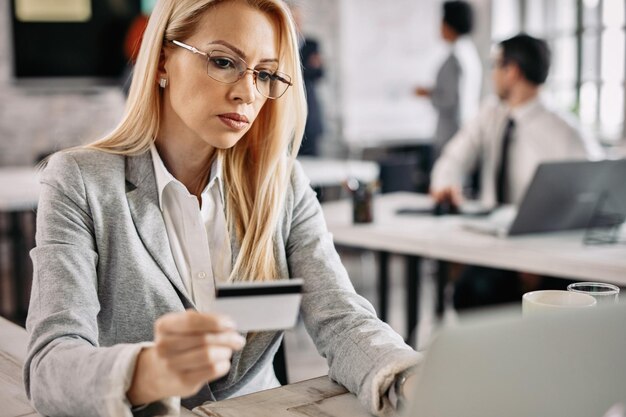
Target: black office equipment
(87, 45)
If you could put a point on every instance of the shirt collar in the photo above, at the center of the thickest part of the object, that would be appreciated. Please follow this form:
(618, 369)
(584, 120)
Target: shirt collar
(520, 112)
(164, 177)
(460, 43)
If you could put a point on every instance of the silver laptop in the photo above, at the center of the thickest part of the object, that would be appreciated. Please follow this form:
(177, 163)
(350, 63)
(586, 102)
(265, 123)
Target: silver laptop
(572, 365)
(563, 195)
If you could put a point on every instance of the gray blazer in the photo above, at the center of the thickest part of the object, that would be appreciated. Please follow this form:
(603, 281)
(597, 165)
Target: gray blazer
(446, 100)
(104, 272)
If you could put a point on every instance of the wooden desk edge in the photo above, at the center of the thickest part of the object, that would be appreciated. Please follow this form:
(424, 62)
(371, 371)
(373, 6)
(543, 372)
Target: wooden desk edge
(275, 400)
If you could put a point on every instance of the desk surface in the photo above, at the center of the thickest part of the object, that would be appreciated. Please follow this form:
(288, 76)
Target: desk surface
(325, 172)
(19, 188)
(314, 397)
(13, 341)
(556, 254)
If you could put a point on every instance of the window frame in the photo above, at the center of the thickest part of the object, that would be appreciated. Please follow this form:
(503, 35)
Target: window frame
(552, 35)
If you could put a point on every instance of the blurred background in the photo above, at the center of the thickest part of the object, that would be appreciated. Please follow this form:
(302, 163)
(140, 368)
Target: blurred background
(62, 64)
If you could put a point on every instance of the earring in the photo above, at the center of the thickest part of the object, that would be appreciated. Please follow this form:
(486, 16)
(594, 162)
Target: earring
(163, 82)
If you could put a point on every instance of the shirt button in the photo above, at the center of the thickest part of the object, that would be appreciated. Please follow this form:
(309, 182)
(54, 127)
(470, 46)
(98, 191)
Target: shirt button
(202, 275)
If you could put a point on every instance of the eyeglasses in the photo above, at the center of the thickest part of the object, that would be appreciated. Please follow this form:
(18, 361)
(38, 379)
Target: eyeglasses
(227, 68)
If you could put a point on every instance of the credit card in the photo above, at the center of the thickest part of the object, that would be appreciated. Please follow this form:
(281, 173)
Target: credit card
(260, 306)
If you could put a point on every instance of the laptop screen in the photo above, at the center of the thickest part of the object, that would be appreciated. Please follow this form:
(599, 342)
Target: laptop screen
(569, 365)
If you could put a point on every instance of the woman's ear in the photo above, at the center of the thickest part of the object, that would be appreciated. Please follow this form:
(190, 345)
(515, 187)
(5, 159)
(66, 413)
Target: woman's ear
(161, 68)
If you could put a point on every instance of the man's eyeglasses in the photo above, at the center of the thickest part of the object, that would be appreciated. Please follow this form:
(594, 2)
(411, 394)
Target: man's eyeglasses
(228, 68)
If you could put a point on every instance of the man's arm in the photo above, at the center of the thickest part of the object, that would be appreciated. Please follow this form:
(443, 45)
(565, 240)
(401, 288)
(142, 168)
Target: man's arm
(459, 156)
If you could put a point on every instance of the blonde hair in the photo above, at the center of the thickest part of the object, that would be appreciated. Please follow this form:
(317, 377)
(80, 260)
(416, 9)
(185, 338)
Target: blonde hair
(257, 169)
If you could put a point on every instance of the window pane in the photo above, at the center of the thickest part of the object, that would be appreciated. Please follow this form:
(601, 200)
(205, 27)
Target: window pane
(613, 51)
(591, 16)
(588, 103)
(613, 13)
(612, 110)
(505, 19)
(565, 15)
(535, 18)
(560, 95)
(590, 55)
(565, 98)
(564, 59)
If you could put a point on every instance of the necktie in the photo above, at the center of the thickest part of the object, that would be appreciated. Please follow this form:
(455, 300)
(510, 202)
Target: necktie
(502, 193)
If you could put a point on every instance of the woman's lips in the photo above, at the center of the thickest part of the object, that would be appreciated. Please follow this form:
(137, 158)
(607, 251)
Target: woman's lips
(234, 120)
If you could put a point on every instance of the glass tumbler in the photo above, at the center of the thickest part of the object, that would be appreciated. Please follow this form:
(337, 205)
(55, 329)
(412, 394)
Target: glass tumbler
(604, 293)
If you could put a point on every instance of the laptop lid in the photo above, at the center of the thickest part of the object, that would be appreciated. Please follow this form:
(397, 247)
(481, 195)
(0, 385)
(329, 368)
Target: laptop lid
(569, 365)
(565, 195)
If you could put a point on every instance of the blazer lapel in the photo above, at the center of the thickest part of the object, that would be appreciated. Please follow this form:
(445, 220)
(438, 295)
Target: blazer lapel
(141, 192)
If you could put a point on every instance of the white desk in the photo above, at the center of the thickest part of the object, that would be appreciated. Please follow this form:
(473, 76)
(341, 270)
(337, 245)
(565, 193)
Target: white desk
(556, 254)
(443, 238)
(19, 188)
(327, 172)
(19, 193)
(13, 341)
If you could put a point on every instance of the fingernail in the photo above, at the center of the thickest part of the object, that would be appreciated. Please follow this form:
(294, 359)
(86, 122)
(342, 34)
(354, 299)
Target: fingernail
(228, 323)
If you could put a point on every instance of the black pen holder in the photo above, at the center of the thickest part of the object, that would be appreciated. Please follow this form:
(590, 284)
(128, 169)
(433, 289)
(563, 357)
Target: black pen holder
(362, 201)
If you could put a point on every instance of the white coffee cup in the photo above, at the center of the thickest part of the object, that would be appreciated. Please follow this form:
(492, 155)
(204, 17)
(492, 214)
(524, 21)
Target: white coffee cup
(554, 301)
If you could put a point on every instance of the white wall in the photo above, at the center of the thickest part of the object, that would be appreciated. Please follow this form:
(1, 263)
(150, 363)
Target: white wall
(375, 53)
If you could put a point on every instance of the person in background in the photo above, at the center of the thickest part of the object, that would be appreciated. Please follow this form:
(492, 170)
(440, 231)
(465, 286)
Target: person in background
(456, 94)
(512, 134)
(312, 72)
(198, 185)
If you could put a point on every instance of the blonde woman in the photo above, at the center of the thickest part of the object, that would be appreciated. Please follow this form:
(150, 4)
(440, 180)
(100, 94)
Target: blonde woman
(198, 184)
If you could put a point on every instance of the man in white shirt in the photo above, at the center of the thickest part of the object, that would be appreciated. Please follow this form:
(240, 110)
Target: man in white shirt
(536, 133)
(510, 137)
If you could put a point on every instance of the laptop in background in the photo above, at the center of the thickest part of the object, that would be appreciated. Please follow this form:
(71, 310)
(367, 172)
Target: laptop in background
(569, 365)
(562, 195)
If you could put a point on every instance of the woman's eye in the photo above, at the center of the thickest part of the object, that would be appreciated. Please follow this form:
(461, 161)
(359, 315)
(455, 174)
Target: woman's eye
(264, 76)
(224, 63)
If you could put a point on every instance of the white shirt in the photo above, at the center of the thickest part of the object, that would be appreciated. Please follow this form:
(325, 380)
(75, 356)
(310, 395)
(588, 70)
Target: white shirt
(194, 232)
(197, 234)
(540, 135)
